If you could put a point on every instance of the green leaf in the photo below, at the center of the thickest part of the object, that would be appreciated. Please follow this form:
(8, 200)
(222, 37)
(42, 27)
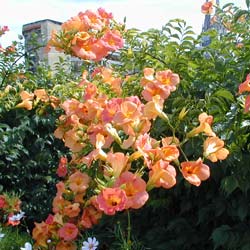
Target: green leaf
(248, 3)
(239, 14)
(175, 36)
(227, 5)
(229, 184)
(221, 235)
(242, 209)
(225, 93)
(246, 247)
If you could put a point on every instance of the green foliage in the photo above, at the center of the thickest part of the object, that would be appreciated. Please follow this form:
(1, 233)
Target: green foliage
(13, 239)
(216, 215)
(29, 157)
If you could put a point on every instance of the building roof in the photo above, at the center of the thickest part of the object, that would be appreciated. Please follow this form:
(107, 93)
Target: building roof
(36, 24)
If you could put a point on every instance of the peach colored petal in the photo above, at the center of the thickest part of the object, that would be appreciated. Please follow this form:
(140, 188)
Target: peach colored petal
(214, 149)
(68, 232)
(111, 200)
(195, 171)
(247, 104)
(245, 86)
(135, 189)
(26, 104)
(79, 182)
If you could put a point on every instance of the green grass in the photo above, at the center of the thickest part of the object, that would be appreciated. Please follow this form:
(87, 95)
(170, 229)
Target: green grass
(13, 239)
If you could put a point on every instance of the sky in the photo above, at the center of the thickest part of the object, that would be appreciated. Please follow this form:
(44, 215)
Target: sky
(140, 14)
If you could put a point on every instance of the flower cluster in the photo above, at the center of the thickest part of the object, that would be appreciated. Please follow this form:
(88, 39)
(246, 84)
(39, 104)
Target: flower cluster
(31, 99)
(89, 35)
(3, 30)
(10, 210)
(207, 7)
(9, 48)
(115, 161)
(213, 149)
(245, 87)
(72, 210)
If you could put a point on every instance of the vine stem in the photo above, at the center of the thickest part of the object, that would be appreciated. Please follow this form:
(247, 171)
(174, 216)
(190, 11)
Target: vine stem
(157, 58)
(129, 230)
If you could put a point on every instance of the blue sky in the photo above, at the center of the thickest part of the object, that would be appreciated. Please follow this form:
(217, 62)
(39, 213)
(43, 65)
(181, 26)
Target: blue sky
(141, 14)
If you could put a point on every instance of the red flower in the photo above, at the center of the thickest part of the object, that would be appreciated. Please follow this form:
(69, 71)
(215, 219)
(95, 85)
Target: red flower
(207, 8)
(3, 202)
(62, 167)
(245, 86)
(68, 232)
(111, 200)
(247, 104)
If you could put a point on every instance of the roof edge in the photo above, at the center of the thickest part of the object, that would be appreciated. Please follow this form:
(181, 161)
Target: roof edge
(43, 20)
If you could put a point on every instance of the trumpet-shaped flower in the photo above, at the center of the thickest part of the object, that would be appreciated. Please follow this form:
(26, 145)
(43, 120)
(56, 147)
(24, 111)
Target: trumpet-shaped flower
(90, 89)
(214, 149)
(128, 115)
(112, 40)
(247, 104)
(27, 100)
(97, 153)
(68, 232)
(91, 215)
(118, 162)
(207, 8)
(41, 94)
(195, 171)
(168, 78)
(170, 153)
(92, 19)
(145, 142)
(60, 187)
(72, 210)
(153, 108)
(62, 167)
(79, 182)
(161, 84)
(40, 234)
(135, 189)
(83, 46)
(93, 131)
(245, 86)
(162, 174)
(74, 24)
(170, 140)
(204, 127)
(70, 106)
(3, 30)
(72, 140)
(59, 203)
(66, 245)
(111, 108)
(50, 219)
(111, 200)
(3, 202)
(107, 77)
